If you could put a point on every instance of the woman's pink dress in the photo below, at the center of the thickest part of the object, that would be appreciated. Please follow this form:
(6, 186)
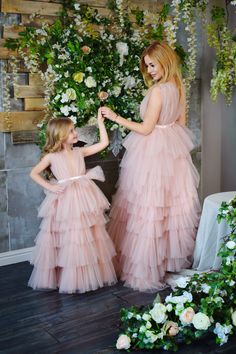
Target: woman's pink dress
(155, 211)
(73, 250)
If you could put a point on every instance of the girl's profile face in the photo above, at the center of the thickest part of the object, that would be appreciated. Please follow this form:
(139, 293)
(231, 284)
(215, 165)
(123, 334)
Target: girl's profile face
(72, 136)
(154, 69)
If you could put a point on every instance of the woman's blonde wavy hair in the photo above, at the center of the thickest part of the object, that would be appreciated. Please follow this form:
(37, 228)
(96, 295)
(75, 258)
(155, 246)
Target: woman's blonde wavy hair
(160, 52)
(57, 132)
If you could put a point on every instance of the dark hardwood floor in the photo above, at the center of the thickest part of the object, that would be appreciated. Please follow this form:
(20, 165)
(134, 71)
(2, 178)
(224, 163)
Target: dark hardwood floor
(33, 322)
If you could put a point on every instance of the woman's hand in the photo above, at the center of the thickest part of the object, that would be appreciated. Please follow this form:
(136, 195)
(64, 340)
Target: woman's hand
(100, 117)
(108, 113)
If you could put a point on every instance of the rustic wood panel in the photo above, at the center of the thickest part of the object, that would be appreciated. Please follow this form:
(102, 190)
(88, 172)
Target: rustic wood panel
(29, 7)
(21, 120)
(25, 137)
(12, 31)
(36, 22)
(22, 91)
(5, 53)
(35, 80)
(34, 104)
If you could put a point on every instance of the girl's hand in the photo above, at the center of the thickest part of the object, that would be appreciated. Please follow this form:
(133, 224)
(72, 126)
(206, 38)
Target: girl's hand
(108, 113)
(100, 117)
(56, 188)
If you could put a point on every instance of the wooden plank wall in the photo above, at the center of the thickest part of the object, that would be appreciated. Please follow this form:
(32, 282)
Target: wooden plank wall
(33, 93)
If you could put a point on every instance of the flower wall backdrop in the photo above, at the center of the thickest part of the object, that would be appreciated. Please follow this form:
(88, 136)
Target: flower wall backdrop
(85, 59)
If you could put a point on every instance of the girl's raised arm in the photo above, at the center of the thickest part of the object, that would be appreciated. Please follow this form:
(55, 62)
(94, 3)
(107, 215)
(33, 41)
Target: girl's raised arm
(104, 140)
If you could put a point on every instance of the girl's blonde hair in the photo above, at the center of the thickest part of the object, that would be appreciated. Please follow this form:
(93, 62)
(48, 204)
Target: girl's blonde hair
(56, 134)
(162, 53)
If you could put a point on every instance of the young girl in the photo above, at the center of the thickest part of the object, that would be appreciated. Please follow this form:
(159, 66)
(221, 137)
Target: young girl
(155, 211)
(73, 250)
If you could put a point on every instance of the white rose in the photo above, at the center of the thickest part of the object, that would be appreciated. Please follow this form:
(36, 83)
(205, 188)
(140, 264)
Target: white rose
(71, 94)
(123, 342)
(182, 282)
(233, 316)
(186, 316)
(90, 82)
(158, 313)
(231, 245)
(201, 321)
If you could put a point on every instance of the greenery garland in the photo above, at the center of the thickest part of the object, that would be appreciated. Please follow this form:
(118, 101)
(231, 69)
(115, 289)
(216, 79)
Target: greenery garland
(202, 304)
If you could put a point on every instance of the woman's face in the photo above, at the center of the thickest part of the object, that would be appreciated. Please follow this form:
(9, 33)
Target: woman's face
(154, 69)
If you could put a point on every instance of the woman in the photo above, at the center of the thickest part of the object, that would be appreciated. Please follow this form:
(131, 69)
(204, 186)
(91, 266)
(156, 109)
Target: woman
(155, 211)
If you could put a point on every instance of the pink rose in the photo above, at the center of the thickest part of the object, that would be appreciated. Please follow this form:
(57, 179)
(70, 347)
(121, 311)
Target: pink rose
(186, 316)
(123, 342)
(171, 328)
(85, 49)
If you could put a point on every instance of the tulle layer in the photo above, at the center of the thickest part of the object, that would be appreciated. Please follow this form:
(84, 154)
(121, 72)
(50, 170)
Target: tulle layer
(155, 211)
(73, 250)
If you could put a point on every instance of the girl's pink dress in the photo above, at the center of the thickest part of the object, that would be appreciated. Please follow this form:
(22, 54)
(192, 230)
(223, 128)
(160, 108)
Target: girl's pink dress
(73, 250)
(155, 210)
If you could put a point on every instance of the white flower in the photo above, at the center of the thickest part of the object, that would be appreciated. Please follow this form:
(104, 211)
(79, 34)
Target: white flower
(182, 282)
(73, 118)
(90, 82)
(231, 245)
(65, 110)
(123, 50)
(201, 321)
(116, 91)
(130, 315)
(169, 307)
(92, 121)
(233, 316)
(221, 331)
(142, 329)
(71, 94)
(232, 282)
(205, 288)
(146, 317)
(129, 82)
(186, 316)
(158, 313)
(151, 336)
(73, 108)
(148, 325)
(138, 317)
(123, 342)
(77, 7)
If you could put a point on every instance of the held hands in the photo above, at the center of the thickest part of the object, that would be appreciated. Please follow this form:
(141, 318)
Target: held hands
(108, 113)
(100, 116)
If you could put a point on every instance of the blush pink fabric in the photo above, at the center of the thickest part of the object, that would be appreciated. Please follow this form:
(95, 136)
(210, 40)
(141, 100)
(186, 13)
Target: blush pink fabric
(73, 250)
(155, 211)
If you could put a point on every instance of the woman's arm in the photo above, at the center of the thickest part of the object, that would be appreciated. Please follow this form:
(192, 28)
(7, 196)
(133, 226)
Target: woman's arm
(39, 168)
(150, 119)
(104, 140)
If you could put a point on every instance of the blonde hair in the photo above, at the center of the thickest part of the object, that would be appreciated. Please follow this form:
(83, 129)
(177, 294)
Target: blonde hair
(162, 53)
(56, 134)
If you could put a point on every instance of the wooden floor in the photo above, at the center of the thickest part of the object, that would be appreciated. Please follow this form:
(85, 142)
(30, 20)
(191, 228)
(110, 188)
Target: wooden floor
(34, 322)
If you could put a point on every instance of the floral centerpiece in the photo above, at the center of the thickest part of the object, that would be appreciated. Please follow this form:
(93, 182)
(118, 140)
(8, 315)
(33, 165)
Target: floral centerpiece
(202, 304)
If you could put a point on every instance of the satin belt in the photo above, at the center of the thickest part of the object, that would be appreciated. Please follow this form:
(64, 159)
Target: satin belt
(164, 126)
(93, 173)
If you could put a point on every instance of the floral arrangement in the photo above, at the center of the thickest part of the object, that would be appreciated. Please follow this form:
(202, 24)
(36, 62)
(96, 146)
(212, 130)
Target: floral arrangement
(202, 304)
(85, 59)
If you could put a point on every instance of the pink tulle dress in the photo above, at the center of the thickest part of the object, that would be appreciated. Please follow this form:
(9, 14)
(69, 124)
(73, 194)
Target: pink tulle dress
(73, 250)
(155, 211)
